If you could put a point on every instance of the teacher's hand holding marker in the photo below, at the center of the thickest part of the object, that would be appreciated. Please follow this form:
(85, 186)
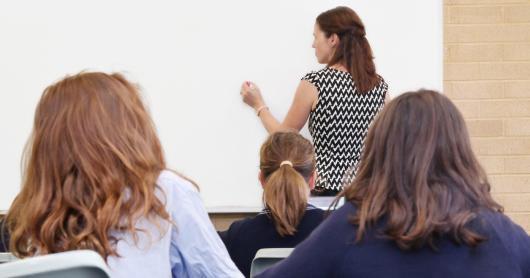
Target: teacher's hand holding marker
(252, 97)
(297, 115)
(340, 100)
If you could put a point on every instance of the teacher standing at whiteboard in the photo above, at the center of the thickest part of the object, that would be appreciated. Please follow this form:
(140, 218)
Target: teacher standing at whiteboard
(340, 100)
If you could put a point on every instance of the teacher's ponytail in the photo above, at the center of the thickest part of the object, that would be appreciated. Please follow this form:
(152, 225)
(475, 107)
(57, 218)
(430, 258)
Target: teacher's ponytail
(287, 164)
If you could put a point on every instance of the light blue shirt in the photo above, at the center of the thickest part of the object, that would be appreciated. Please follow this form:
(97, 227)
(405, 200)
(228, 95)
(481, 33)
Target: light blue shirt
(188, 248)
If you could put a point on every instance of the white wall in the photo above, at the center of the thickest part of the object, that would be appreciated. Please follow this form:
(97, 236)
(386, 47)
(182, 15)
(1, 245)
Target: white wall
(190, 57)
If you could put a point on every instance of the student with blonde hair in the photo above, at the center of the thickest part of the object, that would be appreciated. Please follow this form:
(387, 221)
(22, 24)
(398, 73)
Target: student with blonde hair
(420, 206)
(287, 174)
(95, 178)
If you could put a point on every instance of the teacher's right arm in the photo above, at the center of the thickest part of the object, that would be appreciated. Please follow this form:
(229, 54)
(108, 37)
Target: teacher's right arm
(305, 99)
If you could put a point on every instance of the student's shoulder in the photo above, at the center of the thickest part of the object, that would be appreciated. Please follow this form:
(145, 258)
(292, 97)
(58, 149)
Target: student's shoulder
(171, 182)
(497, 226)
(503, 227)
(344, 214)
(314, 212)
(337, 225)
(252, 222)
(244, 226)
(236, 226)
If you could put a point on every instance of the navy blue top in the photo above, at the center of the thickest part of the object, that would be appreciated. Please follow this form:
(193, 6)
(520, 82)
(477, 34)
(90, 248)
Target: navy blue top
(4, 237)
(245, 237)
(330, 252)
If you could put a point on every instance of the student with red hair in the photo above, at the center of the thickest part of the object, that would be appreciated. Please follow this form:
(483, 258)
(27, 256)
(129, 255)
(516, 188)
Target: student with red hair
(95, 178)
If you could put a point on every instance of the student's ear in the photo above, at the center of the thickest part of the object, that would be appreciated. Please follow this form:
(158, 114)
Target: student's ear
(312, 180)
(261, 179)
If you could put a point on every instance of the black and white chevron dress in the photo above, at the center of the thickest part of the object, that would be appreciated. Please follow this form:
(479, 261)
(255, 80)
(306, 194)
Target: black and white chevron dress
(339, 124)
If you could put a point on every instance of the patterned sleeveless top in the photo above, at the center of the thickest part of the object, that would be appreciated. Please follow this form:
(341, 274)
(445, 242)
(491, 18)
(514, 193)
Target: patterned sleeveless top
(339, 124)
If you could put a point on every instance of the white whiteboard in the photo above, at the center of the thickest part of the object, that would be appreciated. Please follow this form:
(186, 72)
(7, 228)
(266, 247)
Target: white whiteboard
(190, 57)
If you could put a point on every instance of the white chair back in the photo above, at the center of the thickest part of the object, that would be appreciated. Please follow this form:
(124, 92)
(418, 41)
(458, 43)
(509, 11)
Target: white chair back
(79, 264)
(7, 257)
(266, 257)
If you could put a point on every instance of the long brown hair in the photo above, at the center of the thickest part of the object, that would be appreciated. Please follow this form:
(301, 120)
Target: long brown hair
(353, 50)
(418, 173)
(286, 187)
(91, 167)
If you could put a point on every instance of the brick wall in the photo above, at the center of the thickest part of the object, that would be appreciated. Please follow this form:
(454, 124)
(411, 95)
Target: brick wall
(487, 75)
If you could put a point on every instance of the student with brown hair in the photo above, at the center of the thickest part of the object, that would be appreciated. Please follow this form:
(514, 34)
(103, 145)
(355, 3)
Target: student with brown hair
(95, 178)
(287, 167)
(340, 100)
(420, 206)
